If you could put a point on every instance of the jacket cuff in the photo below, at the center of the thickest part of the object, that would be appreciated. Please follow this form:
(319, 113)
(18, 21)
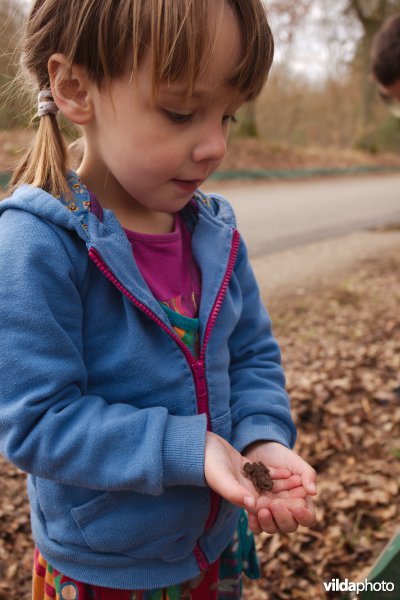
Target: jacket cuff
(183, 450)
(263, 428)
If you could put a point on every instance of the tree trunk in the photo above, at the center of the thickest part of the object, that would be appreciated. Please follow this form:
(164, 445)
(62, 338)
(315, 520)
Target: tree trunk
(366, 139)
(370, 17)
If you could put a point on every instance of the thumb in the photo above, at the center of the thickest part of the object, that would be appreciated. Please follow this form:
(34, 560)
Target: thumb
(309, 480)
(308, 475)
(235, 492)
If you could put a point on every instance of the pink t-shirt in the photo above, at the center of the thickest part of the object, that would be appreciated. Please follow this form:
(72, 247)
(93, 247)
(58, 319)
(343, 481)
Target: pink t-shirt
(168, 267)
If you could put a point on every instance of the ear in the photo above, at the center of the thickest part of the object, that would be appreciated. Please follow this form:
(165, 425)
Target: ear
(71, 89)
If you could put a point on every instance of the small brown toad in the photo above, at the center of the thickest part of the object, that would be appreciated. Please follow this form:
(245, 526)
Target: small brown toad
(259, 475)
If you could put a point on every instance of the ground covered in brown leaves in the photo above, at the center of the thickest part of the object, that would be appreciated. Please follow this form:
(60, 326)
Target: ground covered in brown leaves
(341, 347)
(341, 350)
(258, 154)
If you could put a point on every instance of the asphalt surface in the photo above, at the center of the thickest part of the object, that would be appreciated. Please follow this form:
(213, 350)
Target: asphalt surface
(304, 235)
(275, 216)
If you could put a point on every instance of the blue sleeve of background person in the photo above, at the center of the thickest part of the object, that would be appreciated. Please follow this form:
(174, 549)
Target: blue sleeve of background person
(259, 403)
(49, 427)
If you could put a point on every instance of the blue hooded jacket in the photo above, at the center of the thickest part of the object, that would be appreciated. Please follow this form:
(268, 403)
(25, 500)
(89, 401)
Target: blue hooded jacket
(105, 407)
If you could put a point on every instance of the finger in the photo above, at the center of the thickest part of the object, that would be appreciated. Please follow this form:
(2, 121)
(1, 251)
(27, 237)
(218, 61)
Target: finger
(289, 483)
(235, 492)
(305, 514)
(279, 472)
(266, 521)
(286, 496)
(283, 517)
(298, 492)
(307, 473)
(254, 524)
(309, 480)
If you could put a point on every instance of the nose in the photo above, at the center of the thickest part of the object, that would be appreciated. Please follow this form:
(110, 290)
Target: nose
(211, 146)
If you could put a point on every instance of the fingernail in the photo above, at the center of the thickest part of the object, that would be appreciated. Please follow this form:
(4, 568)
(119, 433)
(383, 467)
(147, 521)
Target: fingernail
(312, 488)
(249, 502)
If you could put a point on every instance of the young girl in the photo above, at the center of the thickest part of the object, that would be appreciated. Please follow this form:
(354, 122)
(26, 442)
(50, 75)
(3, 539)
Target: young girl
(139, 369)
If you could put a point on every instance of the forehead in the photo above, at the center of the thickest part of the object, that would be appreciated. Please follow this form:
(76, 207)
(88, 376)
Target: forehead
(222, 57)
(225, 45)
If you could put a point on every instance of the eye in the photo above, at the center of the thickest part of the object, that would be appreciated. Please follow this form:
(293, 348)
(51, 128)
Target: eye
(179, 118)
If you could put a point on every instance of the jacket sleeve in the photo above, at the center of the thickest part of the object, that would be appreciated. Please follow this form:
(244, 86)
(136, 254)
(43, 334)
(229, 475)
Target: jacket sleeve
(259, 403)
(49, 425)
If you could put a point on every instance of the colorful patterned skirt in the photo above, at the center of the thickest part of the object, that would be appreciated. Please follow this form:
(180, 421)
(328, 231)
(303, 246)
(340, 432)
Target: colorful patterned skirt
(221, 581)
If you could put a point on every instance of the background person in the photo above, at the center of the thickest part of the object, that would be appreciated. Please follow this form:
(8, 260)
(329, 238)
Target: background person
(385, 62)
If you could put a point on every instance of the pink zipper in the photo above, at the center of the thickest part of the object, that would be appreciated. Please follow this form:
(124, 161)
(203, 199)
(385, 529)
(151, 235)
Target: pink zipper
(197, 366)
(224, 286)
(99, 262)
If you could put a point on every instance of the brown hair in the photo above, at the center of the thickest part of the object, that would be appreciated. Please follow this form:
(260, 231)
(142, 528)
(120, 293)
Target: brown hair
(385, 54)
(100, 34)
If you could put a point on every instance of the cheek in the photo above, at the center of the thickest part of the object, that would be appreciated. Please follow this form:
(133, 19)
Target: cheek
(146, 145)
(142, 164)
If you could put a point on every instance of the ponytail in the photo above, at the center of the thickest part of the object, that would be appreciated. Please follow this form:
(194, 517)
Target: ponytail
(44, 164)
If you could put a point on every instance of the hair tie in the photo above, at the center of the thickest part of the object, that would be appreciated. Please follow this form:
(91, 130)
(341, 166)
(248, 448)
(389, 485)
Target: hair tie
(46, 104)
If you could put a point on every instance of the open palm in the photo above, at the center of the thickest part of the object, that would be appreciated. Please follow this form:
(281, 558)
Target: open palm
(285, 507)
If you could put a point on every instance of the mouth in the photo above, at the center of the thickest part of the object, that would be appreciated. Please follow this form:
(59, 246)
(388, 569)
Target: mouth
(188, 185)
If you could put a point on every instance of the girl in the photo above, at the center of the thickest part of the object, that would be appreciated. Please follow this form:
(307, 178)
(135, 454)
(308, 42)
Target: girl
(139, 369)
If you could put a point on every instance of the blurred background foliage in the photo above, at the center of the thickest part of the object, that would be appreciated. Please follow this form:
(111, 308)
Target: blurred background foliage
(329, 98)
(320, 92)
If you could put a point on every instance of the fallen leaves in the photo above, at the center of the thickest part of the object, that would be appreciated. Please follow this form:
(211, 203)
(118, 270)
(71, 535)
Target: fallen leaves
(15, 541)
(341, 350)
(256, 153)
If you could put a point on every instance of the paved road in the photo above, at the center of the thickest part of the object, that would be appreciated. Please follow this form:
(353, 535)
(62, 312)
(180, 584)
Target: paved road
(276, 216)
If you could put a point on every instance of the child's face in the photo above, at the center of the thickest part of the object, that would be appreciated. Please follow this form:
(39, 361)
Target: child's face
(153, 156)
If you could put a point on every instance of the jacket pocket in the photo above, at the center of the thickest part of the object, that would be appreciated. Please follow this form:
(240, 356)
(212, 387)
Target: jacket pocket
(145, 527)
(222, 425)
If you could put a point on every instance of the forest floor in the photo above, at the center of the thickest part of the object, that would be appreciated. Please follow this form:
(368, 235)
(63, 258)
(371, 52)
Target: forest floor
(341, 351)
(340, 343)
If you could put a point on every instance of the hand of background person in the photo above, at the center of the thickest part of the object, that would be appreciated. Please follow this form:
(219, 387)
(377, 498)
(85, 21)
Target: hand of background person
(223, 469)
(285, 507)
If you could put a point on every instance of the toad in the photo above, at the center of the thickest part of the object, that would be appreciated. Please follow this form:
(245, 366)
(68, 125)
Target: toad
(259, 475)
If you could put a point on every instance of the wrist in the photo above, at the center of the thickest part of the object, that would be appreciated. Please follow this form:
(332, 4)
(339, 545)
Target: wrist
(255, 446)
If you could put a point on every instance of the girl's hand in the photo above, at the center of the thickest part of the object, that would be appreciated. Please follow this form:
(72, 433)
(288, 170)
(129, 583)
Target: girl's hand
(223, 468)
(286, 506)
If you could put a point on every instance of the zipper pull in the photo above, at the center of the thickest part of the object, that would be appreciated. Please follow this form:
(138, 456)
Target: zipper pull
(199, 373)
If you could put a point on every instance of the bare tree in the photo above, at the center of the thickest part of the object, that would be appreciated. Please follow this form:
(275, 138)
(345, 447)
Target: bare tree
(284, 16)
(345, 29)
